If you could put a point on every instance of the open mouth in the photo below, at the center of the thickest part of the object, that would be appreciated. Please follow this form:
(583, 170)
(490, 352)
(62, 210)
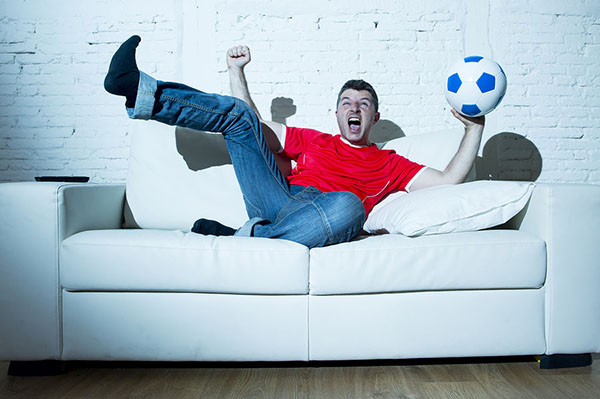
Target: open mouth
(354, 124)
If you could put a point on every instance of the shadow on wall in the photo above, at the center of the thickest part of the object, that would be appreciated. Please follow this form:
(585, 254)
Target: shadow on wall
(281, 109)
(385, 130)
(509, 156)
(201, 150)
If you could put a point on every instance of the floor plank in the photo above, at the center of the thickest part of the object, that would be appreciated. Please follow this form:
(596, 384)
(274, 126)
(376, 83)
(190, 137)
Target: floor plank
(447, 378)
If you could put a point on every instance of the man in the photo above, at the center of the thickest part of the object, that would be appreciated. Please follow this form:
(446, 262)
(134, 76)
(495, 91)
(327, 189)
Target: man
(337, 180)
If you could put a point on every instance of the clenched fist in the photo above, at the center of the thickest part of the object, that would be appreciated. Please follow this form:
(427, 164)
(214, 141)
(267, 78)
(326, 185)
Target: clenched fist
(238, 57)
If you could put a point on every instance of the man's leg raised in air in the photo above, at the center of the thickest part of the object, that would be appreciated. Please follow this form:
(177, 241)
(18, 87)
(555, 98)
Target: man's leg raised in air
(264, 187)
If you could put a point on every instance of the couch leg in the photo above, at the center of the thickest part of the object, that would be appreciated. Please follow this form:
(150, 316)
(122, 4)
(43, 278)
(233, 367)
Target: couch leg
(36, 368)
(565, 361)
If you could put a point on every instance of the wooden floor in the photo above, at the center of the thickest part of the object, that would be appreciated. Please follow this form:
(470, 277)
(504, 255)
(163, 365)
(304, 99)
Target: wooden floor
(471, 378)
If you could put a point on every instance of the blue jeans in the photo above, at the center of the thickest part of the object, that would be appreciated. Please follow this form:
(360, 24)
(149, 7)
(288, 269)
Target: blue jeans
(276, 210)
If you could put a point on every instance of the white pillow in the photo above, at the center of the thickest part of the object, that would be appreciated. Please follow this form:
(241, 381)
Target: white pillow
(450, 208)
(163, 192)
(432, 149)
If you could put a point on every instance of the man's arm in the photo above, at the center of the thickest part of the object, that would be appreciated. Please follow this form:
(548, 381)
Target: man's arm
(459, 167)
(237, 58)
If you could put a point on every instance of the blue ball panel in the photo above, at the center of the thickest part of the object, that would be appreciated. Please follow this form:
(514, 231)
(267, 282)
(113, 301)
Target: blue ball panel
(470, 109)
(473, 58)
(486, 82)
(454, 83)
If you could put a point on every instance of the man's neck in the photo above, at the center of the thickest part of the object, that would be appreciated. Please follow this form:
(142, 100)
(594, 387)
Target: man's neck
(354, 145)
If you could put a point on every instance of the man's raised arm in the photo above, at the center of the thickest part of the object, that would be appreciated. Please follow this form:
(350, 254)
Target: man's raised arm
(459, 167)
(237, 58)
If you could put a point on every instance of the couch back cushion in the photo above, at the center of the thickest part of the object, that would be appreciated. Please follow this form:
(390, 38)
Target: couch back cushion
(179, 175)
(431, 149)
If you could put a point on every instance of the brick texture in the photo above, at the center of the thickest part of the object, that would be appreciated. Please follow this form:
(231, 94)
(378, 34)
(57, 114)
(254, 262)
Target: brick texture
(56, 119)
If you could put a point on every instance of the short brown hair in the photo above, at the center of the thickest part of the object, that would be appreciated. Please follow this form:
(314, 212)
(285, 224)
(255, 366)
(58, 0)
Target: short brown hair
(359, 84)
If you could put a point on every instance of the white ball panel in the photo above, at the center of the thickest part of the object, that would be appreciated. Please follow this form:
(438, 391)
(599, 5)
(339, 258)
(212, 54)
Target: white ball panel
(469, 93)
(488, 101)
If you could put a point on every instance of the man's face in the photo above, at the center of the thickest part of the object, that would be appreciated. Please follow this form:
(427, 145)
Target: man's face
(356, 115)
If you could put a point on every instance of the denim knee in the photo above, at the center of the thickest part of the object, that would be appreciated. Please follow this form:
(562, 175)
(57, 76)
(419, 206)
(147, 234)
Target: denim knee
(245, 112)
(343, 215)
(316, 219)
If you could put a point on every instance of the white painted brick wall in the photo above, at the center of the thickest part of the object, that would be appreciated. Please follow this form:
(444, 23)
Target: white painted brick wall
(308, 53)
(55, 118)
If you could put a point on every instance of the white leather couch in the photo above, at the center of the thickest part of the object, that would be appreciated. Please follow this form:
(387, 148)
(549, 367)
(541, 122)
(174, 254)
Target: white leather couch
(76, 285)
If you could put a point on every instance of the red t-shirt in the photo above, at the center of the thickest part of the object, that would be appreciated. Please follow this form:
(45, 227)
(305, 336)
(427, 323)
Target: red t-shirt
(328, 163)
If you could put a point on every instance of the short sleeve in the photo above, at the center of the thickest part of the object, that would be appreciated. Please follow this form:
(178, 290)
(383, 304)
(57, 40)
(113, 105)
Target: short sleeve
(404, 172)
(297, 140)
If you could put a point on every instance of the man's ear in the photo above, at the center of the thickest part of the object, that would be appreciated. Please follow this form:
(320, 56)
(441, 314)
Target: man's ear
(377, 116)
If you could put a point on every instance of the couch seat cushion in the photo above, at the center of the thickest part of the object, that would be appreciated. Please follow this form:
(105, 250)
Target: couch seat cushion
(162, 260)
(490, 259)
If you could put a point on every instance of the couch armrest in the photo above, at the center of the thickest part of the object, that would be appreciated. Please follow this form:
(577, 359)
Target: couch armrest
(567, 217)
(36, 217)
(90, 207)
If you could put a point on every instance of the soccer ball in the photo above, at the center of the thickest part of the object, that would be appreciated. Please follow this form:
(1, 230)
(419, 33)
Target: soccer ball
(475, 86)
